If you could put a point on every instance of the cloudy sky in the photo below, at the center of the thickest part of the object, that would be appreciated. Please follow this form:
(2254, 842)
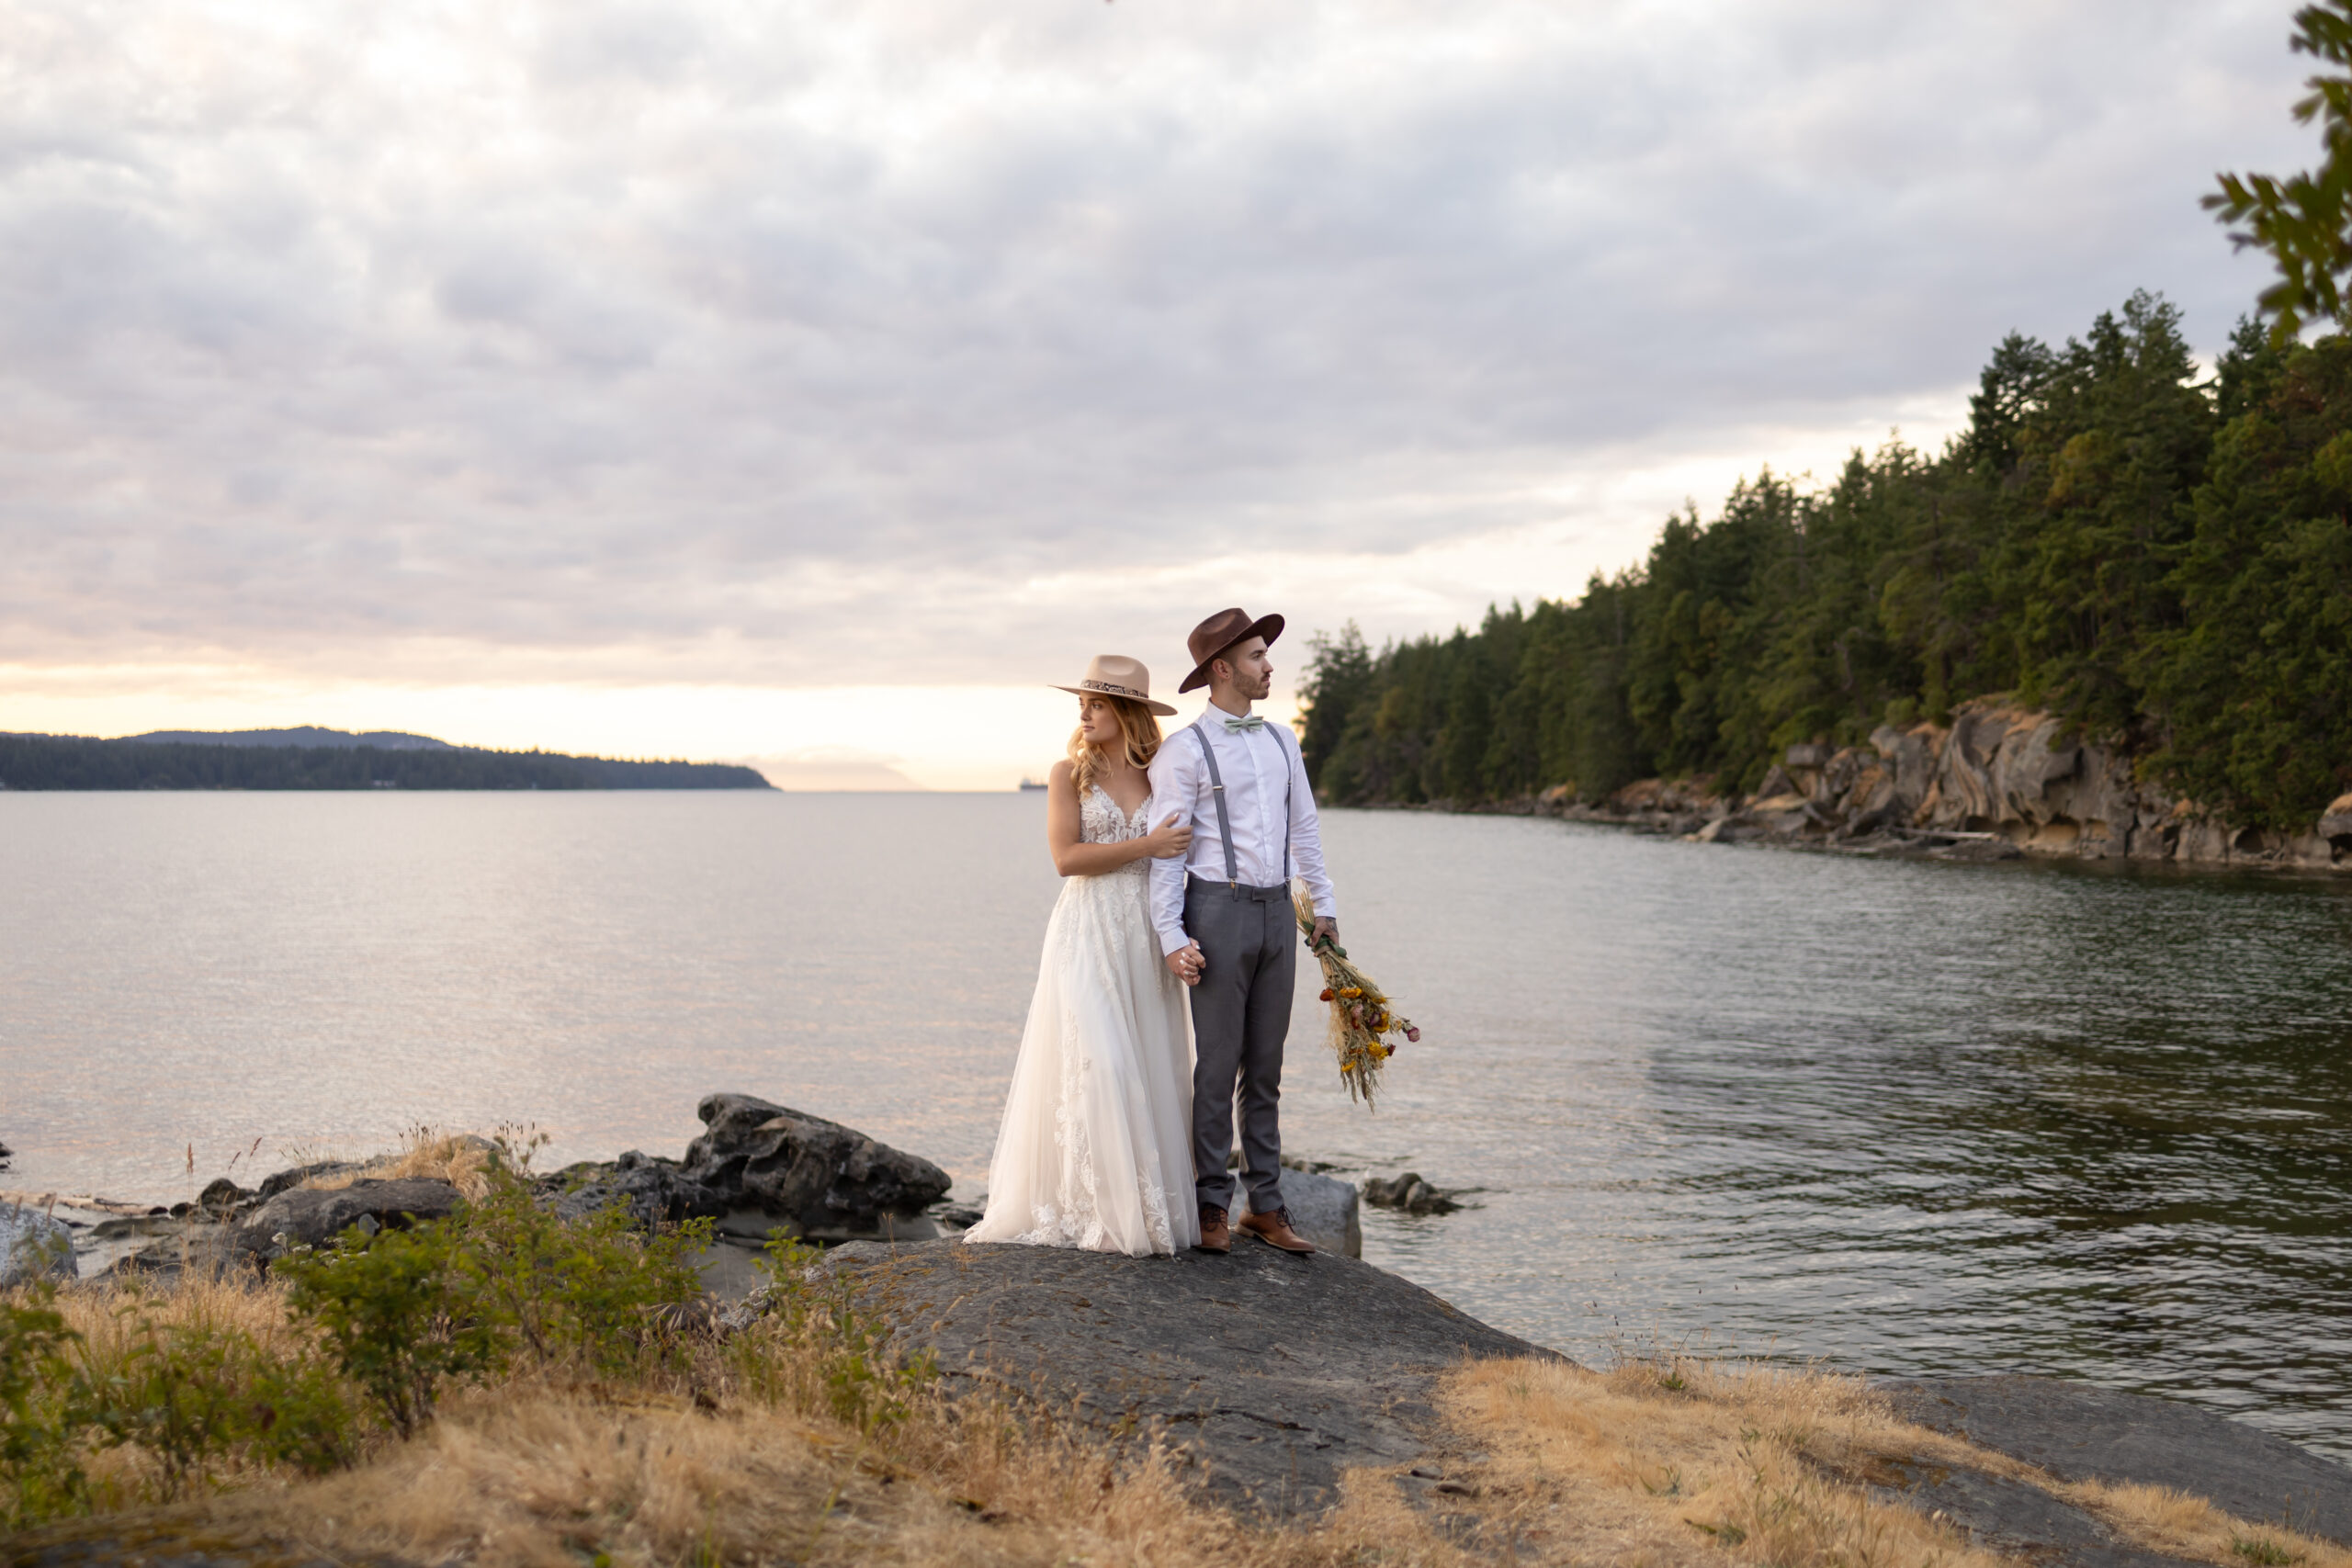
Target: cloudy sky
(813, 383)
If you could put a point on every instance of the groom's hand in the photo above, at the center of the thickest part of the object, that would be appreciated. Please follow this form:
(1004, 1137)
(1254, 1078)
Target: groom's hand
(1325, 929)
(1186, 963)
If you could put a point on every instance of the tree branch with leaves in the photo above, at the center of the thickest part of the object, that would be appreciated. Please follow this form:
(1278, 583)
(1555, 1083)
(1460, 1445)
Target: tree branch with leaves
(2305, 221)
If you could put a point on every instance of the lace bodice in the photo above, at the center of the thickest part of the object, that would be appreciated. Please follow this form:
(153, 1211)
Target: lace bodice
(1102, 822)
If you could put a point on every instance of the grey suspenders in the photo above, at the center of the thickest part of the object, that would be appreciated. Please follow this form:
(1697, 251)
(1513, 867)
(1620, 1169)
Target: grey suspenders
(1224, 820)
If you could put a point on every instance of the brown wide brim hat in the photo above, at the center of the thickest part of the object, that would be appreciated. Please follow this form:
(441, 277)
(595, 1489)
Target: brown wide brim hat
(1116, 675)
(1220, 632)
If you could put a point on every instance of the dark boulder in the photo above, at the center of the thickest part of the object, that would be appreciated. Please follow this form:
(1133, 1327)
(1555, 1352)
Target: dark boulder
(826, 1181)
(1410, 1194)
(286, 1180)
(655, 1191)
(223, 1198)
(311, 1216)
(191, 1252)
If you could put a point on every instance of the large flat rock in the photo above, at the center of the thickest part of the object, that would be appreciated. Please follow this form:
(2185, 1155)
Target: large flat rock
(2078, 1432)
(1275, 1373)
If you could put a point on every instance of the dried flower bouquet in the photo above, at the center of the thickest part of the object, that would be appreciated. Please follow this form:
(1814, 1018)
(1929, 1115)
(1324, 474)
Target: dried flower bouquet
(1361, 1011)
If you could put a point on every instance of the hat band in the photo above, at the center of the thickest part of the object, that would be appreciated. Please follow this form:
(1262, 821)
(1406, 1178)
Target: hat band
(1116, 691)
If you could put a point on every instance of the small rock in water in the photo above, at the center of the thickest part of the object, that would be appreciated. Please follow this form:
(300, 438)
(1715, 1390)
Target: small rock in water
(34, 1247)
(1410, 1194)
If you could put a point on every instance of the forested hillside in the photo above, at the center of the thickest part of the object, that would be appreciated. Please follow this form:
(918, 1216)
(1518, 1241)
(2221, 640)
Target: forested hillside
(2164, 558)
(72, 761)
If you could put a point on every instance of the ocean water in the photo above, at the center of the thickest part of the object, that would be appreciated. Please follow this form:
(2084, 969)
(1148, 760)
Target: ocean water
(1889, 1117)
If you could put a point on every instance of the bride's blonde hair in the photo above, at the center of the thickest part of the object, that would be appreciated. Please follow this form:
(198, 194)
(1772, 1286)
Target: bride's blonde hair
(1139, 733)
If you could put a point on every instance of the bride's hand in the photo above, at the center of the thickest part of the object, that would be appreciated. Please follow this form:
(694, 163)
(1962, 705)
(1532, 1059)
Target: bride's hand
(1168, 840)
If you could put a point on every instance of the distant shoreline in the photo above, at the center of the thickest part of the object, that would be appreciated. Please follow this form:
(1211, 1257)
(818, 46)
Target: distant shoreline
(75, 763)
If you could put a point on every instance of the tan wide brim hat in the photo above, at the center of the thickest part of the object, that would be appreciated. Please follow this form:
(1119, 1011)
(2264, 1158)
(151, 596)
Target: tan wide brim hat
(1220, 632)
(1116, 675)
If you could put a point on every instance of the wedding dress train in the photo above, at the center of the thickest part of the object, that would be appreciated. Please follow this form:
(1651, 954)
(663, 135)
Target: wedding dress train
(1095, 1151)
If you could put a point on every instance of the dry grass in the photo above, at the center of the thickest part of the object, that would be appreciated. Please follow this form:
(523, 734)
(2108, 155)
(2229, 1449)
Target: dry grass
(100, 1312)
(1659, 1462)
(558, 1478)
(702, 1468)
(550, 1477)
(1676, 1460)
(1679, 1461)
(462, 1159)
(112, 1320)
(2166, 1520)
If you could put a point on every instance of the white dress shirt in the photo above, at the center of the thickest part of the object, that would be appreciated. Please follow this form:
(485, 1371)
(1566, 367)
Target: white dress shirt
(1261, 769)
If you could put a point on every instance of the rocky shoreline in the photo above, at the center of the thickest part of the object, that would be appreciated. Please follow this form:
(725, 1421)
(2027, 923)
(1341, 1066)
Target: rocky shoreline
(1998, 782)
(1271, 1379)
(758, 1169)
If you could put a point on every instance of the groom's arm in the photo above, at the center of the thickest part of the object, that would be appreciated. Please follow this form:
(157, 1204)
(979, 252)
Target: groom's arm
(1307, 842)
(1175, 790)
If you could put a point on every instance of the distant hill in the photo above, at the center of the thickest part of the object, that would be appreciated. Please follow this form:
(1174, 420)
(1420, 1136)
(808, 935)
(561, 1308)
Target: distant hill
(305, 735)
(192, 760)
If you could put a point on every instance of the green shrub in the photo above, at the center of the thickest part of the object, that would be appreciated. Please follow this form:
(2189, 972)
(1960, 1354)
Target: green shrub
(41, 1475)
(820, 1348)
(397, 1315)
(299, 1414)
(178, 1392)
(504, 1280)
(591, 1294)
(201, 1398)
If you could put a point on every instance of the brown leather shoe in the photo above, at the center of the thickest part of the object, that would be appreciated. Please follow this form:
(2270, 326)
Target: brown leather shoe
(1275, 1231)
(1216, 1235)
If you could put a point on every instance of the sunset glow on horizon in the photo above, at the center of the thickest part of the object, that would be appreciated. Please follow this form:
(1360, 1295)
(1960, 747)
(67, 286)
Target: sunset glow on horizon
(817, 388)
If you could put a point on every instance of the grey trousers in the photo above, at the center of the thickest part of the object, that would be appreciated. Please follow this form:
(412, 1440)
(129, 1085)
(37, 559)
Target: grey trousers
(1241, 1012)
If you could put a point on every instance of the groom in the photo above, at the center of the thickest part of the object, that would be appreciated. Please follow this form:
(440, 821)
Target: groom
(1223, 916)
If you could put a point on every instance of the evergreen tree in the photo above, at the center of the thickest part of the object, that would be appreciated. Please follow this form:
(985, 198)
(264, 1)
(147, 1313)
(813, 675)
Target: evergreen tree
(2163, 561)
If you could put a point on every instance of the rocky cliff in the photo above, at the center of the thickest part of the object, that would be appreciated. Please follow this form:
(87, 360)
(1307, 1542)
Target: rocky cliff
(1996, 783)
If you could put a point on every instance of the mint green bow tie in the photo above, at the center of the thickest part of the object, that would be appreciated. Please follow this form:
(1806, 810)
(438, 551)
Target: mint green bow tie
(1236, 726)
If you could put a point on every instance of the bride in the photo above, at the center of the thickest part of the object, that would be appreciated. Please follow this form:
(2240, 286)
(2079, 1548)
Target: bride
(1095, 1151)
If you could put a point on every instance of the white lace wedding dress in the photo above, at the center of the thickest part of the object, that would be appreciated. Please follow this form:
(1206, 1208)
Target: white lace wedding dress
(1096, 1149)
